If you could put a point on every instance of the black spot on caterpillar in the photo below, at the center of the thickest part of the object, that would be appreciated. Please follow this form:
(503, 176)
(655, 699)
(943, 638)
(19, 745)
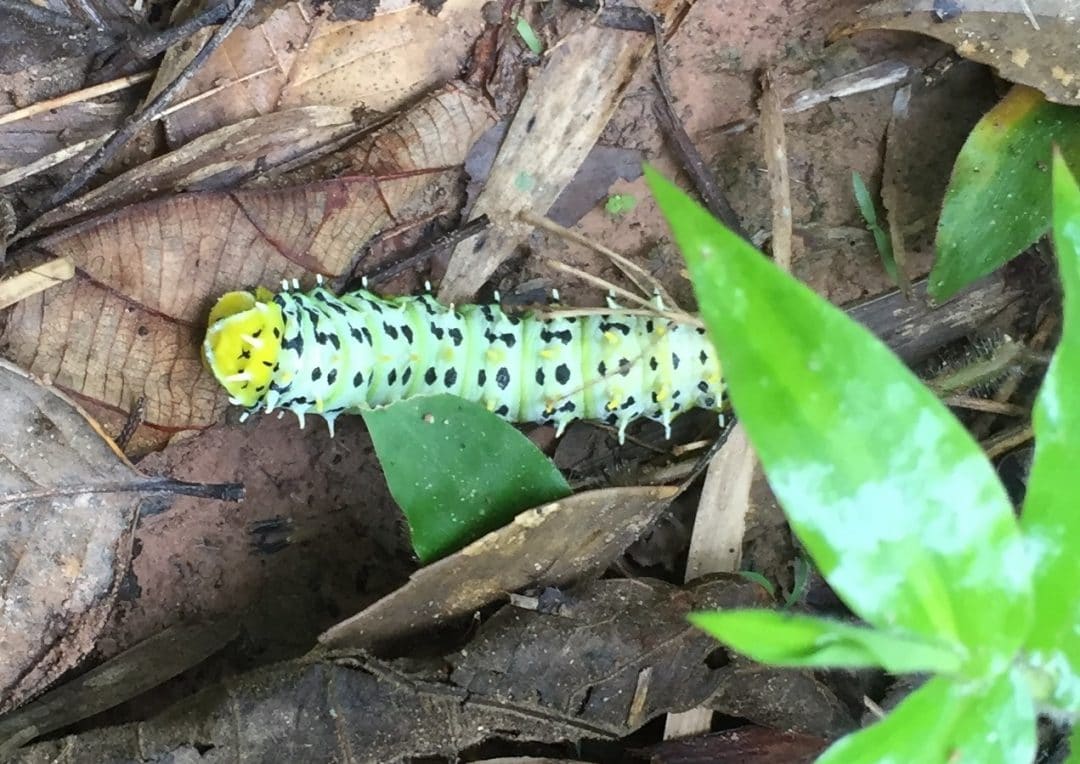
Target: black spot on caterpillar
(326, 355)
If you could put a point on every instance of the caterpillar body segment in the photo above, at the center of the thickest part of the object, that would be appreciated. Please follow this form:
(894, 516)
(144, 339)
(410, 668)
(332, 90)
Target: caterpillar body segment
(314, 352)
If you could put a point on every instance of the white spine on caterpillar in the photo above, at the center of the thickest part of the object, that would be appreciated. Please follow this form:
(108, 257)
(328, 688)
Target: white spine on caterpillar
(318, 353)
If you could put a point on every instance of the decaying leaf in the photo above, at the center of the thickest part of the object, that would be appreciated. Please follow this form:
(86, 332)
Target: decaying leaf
(131, 322)
(1031, 42)
(617, 653)
(68, 500)
(219, 159)
(309, 54)
(366, 711)
(146, 665)
(547, 546)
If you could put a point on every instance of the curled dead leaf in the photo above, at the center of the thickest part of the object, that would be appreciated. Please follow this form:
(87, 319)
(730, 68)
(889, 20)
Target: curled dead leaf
(1031, 42)
(547, 546)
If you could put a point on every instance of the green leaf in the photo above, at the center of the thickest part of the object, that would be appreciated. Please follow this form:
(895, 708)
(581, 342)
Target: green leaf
(458, 471)
(528, 36)
(760, 580)
(1050, 517)
(801, 584)
(798, 640)
(998, 200)
(944, 722)
(1074, 746)
(894, 500)
(620, 204)
(869, 213)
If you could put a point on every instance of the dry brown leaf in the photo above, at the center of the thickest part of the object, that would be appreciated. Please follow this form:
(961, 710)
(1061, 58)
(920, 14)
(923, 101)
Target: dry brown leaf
(68, 499)
(130, 323)
(615, 654)
(562, 114)
(1032, 42)
(361, 710)
(219, 159)
(547, 546)
(318, 59)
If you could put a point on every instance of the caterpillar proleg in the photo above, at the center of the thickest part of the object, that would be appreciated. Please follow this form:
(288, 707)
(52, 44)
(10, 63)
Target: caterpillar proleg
(314, 352)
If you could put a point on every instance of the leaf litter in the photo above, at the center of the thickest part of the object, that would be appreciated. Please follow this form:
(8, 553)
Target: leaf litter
(318, 539)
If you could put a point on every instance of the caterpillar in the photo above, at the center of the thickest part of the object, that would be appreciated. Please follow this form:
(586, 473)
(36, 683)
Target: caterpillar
(315, 352)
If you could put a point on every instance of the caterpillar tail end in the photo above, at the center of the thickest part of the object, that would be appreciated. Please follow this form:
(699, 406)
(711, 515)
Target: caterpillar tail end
(241, 345)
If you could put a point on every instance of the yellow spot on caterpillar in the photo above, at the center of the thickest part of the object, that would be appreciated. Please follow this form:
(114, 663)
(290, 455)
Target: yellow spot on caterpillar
(611, 337)
(318, 405)
(385, 358)
(490, 404)
(493, 355)
(547, 353)
(286, 377)
(660, 330)
(713, 378)
(414, 357)
(446, 354)
(613, 404)
(549, 406)
(662, 394)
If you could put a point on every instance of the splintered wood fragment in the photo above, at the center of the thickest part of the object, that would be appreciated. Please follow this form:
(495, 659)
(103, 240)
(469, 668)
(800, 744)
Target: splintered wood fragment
(562, 114)
(35, 280)
(717, 540)
(772, 129)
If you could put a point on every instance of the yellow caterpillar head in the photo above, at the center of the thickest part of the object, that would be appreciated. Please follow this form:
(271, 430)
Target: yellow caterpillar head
(242, 343)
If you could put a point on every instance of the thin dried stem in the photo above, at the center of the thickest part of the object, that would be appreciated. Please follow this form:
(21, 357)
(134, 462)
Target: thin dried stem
(983, 404)
(645, 281)
(1006, 441)
(679, 318)
(624, 293)
(76, 96)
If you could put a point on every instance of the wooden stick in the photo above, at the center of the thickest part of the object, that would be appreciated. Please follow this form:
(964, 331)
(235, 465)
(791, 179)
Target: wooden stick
(984, 404)
(76, 96)
(776, 160)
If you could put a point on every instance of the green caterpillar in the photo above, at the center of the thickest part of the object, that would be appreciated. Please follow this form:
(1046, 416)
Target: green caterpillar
(314, 352)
